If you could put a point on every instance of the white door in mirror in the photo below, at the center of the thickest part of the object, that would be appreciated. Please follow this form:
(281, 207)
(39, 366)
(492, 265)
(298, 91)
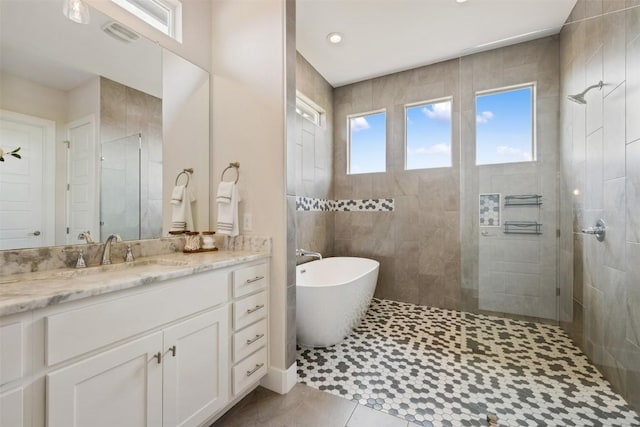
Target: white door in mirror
(26, 184)
(81, 180)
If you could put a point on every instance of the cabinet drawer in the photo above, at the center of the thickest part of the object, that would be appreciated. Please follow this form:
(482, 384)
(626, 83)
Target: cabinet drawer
(249, 279)
(10, 352)
(249, 371)
(78, 331)
(249, 309)
(249, 340)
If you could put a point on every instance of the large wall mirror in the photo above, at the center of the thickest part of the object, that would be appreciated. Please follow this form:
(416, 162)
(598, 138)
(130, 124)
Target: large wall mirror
(105, 121)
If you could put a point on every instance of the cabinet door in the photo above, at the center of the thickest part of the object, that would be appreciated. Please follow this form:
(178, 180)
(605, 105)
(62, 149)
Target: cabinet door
(120, 387)
(196, 368)
(11, 408)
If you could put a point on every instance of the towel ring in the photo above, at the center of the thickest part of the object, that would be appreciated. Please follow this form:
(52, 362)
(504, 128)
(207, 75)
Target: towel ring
(187, 173)
(235, 165)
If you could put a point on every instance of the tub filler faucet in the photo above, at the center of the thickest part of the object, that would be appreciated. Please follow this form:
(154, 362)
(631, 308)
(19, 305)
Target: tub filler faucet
(304, 252)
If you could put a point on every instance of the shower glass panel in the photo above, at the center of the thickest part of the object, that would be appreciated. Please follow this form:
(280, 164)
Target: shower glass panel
(120, 188)
(508, 194)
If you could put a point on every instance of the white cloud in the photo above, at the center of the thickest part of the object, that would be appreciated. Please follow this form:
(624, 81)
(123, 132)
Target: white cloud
(505, 150)
(484, 117)
(359, 123)
(433, 149)
(438, 111)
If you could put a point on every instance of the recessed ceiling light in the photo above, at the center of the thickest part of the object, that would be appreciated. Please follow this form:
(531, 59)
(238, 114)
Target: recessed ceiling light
(461, 1)
(334, 38)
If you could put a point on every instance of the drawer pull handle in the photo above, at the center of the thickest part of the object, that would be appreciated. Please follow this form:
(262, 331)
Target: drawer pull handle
(257, 337)
(252, 371)
(254, 309)
(173, 351)
(255, 279)
(158, 356)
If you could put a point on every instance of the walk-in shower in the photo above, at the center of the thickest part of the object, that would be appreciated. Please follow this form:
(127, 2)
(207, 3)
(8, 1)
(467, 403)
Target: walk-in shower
(579, 98)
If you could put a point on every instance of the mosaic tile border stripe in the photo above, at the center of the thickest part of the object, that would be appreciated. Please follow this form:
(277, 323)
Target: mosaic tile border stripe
(311, 204)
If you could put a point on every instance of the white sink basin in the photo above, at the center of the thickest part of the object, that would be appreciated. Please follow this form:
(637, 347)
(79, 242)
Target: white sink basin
(142, 264)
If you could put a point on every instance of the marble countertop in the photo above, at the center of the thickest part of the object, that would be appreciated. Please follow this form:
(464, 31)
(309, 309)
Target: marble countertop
(28, 291)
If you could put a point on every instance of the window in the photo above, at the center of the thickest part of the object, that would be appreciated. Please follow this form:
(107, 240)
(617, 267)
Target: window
(163, 15)
(428, 135)
(367, 143)
(308, 110)
(505, 126)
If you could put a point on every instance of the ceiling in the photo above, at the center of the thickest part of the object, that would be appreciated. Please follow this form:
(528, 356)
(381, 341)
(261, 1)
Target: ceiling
(38, 43)
(385, 36)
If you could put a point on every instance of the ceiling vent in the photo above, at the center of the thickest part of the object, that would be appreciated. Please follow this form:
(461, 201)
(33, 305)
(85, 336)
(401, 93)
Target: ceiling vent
(120, 32)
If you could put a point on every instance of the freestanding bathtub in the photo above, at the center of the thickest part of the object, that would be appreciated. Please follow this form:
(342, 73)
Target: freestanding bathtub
(332, 297)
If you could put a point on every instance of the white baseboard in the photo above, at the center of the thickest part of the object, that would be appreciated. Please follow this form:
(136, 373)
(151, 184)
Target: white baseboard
(281, 381)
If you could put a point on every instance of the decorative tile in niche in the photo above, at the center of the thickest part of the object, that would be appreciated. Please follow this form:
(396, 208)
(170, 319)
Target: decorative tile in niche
(489, 210)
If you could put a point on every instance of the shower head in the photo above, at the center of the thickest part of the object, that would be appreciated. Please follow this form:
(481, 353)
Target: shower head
(579, 98)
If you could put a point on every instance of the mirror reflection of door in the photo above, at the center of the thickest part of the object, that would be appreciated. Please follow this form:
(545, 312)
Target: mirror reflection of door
(81, 180)
(27, 184)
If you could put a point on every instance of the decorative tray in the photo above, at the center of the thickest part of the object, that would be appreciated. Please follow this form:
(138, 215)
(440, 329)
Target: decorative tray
(197, 251)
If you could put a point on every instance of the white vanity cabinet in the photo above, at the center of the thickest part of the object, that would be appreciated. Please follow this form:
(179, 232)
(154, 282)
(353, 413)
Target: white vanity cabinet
(14, 365)
(173, 373)
(250, 308)
(174, 377)
(119, 387)
(196, 369)
(173, 353)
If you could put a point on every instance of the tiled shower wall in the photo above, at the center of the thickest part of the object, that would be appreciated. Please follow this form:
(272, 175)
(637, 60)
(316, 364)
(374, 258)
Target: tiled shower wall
(418, 244)
(600, 165)
(314, 160)
(515, 273)
(123, 112)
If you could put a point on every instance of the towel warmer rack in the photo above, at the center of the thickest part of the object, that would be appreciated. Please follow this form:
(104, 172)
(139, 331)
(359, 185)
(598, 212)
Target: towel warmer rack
(235, 165)
(187, 172)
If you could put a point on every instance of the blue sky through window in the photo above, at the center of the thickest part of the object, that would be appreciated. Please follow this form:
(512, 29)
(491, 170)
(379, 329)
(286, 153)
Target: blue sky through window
(428, 135)
(504, 127)
(368, 143)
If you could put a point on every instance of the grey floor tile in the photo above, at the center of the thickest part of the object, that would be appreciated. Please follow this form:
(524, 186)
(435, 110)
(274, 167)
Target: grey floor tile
(367, 417)
(301, 407)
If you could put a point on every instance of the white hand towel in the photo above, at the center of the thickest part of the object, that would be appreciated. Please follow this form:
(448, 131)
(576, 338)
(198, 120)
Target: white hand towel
(225, 191)
(176, 194)
(181, 214)
(228, 209)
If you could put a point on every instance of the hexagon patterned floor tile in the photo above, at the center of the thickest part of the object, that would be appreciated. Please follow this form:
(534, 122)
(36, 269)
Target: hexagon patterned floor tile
(439, 367)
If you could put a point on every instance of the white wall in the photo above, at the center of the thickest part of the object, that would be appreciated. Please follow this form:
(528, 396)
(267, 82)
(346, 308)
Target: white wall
(185, 123)
(248, 116)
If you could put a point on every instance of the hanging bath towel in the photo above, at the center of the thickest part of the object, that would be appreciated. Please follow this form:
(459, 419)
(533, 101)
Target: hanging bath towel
(227, 200)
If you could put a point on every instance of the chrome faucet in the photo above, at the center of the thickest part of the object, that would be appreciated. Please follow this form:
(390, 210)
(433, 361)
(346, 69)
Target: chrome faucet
(106, 250)
(304, 252)
(86, 236)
